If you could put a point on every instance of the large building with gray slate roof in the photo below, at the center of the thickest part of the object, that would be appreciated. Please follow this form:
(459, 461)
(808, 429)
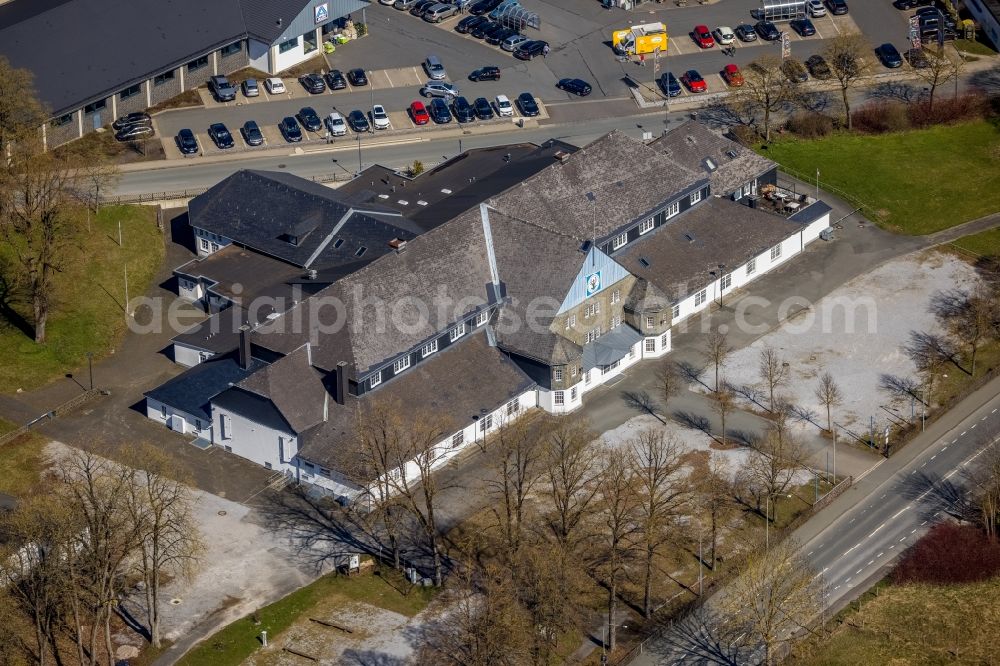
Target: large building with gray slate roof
(529, 299)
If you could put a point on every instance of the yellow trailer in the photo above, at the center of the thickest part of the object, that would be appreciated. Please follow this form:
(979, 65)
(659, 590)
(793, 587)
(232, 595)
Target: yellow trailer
(640, 39)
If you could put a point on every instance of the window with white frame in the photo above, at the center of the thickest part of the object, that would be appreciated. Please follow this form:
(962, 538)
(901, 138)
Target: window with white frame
(752, 266)
(726, 282)
(650, 321)
(486, 423)
(512, 407)
(163, 411)
(631, 351)
(482, 317)
(616, 295)
(673, 209)
(676, 312)
(646, 225)
(559, 398)
(594, 334)
(557, 374)
(457, 332)
(650, 345)
(375, 380)
(663, 340)
(429, 348)
(573, 371)
(458, 439)
(226, 426)
(619, 241)
(586, 377)
(204, 244)
(695, 197)
(616, 321)
(572, 394)
(591, 310)
(775, 251)
(700, 297)
(570, 321)
(753, 186)
(401, 364)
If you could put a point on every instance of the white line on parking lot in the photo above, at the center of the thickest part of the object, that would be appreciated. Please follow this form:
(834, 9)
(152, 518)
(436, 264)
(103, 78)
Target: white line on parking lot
(835, 26)
(391, 84)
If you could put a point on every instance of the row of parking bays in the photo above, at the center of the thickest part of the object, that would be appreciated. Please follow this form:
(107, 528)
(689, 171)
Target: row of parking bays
(826, 27)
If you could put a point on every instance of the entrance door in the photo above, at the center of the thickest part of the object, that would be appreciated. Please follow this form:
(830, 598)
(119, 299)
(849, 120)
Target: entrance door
(97, 120)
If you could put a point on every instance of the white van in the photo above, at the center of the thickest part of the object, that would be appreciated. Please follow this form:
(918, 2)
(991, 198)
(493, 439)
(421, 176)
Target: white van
(275, 86)
(335, 123)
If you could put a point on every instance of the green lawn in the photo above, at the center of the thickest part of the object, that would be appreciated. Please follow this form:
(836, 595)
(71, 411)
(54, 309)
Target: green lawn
(976, 47)
(239, 640)
(983, 244)
(21, 464)
(914, 182)
(88, 313)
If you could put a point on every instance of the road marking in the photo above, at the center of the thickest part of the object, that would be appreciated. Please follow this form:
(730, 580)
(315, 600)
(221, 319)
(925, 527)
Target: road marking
(880, 554)
(892, 546)
(933, 456)
(876, 530)
(983, 419)
(391, 84)
(852, 548)
(883, 495)
(848, 580)
(903, 539)
(836, 588)
(870, 562)
(818, 33)
(963, 433)
(923, 463)
(973, 426)
(853, 519)
(898, 513)
(913, 530)
(923, 523)
(954, 440)
(859, 571)
(994, 411)
(943, 449)
(810, 553)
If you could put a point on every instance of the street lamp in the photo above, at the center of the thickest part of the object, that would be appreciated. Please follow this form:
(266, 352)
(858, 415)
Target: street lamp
(90, 367)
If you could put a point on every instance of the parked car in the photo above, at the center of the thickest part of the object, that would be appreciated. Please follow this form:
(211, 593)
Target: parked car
(929, 15)
(439, 89)
(484, 6)
(310, 119)
(694, 82)
(576, 86)
(670, 85)
(818, 67)
(289, 129)
(357, 77)
(889, 56)
(128, 120)
(530, 49)
(358, 121)
(815, 8)
(380, 119)
(767, 31)
(488, 73)
(703, 37)
(439, 111)
(221, 88)
(336, 125)
(134, 132)
(250, 88)
(404, 5)
(904, 5)
(434, 68)
(496, 37)
(503, 106)
(724, 35)
(482, 108)
(746, 33)
(803, 26)
(918, 59)
(313, 83)
(527, 105)
(479, 32)
(837, 7)
(220, 135)
(513, 42)
(795, 70)
(469, 23)
(439, 12)
(252, 134)
(732, 75)
(187, 142)
(421, 6)
(274, 86)
(462, 110)
(335, 79)
(418, 113)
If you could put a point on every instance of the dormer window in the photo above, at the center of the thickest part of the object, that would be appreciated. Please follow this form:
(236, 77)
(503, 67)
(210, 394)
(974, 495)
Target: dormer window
(619, 241)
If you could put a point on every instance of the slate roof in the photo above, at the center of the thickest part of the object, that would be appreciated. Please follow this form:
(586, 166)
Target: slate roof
(256, 208)
(294, 387)
(451, 384)
(692, 144)
(218, 334)
(243, 275)
(627, 179)
(723, 232)
(192, 390)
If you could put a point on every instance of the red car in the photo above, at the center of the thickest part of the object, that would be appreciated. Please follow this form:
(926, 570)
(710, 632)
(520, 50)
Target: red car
(703, 37)
(419, 113)
(732, 75)
(692, 79)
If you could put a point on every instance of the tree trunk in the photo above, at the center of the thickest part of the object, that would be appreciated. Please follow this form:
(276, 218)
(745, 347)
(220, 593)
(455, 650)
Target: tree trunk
(767, 139)
(438, 577)
(974, 349)
(829, 418)
(647, 588)
(715, 533)
(847, 107)
(723, 415)
(41, 640)
(716, 377)
(41, 314)
(930, 98)
(107, 635)
(612, 607)
(154, 615)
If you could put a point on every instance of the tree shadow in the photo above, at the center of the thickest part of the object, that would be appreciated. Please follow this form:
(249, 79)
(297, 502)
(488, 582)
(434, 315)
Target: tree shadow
(804, 414)
(744, 437)
(371, 658)
(642, 402)
(896, 90)
(987, 80)
(695, 421)
(7, 311)
(702, 637)
(692, 373)
(901, 386)
(935, 494)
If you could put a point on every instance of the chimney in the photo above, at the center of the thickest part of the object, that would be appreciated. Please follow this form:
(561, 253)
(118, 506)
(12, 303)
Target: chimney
(397, 244)
(341, 383)
(245, 346)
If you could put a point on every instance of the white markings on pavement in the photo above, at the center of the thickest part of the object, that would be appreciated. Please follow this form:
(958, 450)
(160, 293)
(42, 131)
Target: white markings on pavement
(943, 449)
(880, 554)
(810, 553)
(954, 440)
(391, 84)
(913, 530)
(848, 580)
(898, 513)
(903, 539)
(876, 530)
(858, 571)
(973, 426)
(933, 456)
(836, 588)
(963, 433)
(870, 562)
(883, 495)
(994, 411)
(923, 523)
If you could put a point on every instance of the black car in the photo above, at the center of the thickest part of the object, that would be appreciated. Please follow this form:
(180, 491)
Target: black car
(479, 32)
(795, 71)
(223, 90)
(335, 79)
(313, 83)
(357, 77)
(421, 7)
(484, 7)
(483, 108)
(746, 33)
(463, 111)
(670, 85)
(903, 5)
(134, 132)
(137, 118)
(576, 86)
(803, 26)
(251, 133)
(496, 36)
(220, 135)
(187, 142)
(469, 23)
(527, 104)
(488, 73)
(289, 128)
(889, 56)
(529, 50)
(918, 59)
(358, 121)
(818, 67)
(837, 7)
(767, 31)
(438, 109)
(309, 119)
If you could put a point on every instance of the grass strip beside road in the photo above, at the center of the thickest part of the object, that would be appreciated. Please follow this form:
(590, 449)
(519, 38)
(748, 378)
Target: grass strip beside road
(915, 182)
(21, 463)
(984, 244)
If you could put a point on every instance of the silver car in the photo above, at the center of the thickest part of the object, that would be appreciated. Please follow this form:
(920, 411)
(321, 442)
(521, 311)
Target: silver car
(513, 42)
(439, 89)
(404, 5)
(434, 68)
(440, 12)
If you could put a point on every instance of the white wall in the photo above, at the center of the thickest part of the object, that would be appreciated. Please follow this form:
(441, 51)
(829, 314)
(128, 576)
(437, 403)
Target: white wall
(258, 54)
(207, 243)
(811, 232)
(597, 377)
(186, 424)
(283, 61)
(191, 290)
(188, 356)
(253, 441)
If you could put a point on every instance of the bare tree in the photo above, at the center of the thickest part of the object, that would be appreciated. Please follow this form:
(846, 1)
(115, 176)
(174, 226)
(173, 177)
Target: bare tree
(770, 469)
(716, 352)
(830, 396)
(723, 403)
(847, 55)
(984, 477)
(774, 594)
(715, 494)
(765, 91)
(940, 69)
(773, 371)
(669, 380)
(570, 472)
(662, 487)
(21, 114)
(975, 321)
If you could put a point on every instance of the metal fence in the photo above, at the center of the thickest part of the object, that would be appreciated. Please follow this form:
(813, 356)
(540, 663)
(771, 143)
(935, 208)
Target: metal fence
(64, 408)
